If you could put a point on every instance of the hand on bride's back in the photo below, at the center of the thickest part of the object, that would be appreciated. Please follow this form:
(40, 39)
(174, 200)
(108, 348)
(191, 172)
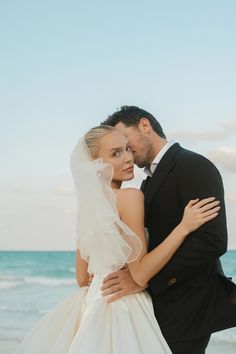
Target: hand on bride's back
(118, 284)
(197, 213)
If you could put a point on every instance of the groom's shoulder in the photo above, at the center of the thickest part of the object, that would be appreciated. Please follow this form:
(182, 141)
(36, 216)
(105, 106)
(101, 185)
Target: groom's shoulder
(188, 154)
(192, 158)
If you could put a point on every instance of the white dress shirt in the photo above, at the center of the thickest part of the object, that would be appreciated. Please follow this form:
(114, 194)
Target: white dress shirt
(158, 158)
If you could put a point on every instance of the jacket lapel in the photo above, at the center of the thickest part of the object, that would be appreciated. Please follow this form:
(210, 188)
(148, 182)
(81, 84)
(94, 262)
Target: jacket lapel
(161, 172)
(144, 184)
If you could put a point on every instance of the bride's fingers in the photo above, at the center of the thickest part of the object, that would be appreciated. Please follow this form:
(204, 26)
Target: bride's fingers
(90, 279)
(208, 218)
(210, 205)
(211, 212)
(203, 202)
(192, 202)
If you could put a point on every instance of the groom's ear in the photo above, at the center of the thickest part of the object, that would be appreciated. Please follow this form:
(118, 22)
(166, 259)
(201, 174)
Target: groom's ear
(144, 126)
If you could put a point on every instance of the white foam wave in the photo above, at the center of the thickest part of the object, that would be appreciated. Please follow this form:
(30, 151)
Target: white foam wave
(49, 281)
(22, 309)
(10, 281)
(9, 284)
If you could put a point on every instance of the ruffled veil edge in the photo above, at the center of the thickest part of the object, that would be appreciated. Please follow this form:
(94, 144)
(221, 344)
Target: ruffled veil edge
(104, 241)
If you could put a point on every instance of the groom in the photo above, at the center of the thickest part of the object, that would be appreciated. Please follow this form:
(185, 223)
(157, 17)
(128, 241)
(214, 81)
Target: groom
(191, 296)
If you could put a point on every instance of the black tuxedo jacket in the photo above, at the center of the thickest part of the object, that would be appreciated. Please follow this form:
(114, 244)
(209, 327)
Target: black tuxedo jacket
(191, 296)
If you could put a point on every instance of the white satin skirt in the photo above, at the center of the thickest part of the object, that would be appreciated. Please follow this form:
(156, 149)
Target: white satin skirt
(85, 323)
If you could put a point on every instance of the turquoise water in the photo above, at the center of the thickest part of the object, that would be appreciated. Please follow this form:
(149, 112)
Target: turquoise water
(31, 283)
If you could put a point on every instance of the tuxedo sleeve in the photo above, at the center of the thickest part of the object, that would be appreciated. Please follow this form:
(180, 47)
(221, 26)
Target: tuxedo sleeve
(196, 177)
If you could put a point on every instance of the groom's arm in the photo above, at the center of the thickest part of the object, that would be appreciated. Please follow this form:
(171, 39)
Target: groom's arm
(197, 178)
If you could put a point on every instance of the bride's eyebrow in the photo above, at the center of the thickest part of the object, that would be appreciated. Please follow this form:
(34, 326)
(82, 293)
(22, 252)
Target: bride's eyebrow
(117, 148)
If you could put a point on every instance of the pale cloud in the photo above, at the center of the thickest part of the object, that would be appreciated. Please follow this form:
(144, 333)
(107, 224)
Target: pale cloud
(225, 130)
(70, 211)
(63, 190)
(23, 189)
(230, 126)
(225, 157)
(36, 229)
(231, 198)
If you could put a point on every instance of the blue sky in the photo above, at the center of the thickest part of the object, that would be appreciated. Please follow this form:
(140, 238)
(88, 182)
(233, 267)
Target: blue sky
(66, 65)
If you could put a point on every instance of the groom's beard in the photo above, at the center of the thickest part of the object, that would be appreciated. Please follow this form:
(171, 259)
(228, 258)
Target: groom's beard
(142, 165)
(143, 158)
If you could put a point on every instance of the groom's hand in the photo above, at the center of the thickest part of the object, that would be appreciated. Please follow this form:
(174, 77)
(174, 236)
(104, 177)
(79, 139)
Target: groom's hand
(119, 284)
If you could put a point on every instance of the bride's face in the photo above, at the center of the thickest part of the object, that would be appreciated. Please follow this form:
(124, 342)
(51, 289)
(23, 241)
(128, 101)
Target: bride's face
(115, 150)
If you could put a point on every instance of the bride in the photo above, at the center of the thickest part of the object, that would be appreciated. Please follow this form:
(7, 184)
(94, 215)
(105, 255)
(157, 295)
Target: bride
(110, 236)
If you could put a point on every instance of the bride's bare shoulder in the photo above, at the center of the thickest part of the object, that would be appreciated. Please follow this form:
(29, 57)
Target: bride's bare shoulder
(129, 192)
(129, 196)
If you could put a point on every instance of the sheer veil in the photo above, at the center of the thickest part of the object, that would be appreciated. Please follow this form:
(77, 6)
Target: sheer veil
(104, 241)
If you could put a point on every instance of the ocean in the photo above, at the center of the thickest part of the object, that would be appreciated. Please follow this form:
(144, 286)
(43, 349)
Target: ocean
(31, 283)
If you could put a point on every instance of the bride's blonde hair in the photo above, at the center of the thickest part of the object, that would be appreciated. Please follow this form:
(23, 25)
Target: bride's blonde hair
(93, 137)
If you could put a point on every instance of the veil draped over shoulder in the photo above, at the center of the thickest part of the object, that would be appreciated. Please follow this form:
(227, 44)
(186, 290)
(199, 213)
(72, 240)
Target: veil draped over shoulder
(104, 241)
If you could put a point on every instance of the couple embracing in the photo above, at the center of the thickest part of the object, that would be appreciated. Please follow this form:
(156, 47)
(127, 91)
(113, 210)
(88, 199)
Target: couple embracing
(157, 284)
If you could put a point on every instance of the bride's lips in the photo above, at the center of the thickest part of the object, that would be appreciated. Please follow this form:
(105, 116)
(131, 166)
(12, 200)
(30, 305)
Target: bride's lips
(129, 169)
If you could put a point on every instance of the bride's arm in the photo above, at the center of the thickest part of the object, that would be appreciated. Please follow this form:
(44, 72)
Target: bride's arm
(130, 204)
(82, 275)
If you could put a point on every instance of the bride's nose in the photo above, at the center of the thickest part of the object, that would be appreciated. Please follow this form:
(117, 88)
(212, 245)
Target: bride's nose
(129, 156)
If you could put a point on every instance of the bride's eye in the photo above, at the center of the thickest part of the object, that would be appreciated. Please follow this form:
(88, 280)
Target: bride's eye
(128, 148)
(116, 154)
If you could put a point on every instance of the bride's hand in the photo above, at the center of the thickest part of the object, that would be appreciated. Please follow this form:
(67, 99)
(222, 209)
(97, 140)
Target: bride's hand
(197, 213)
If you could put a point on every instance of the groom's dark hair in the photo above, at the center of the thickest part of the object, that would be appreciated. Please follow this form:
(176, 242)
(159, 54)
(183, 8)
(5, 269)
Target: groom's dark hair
(130, 116)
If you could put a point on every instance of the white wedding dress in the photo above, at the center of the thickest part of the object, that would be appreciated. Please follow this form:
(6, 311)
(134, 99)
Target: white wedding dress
(85, 323)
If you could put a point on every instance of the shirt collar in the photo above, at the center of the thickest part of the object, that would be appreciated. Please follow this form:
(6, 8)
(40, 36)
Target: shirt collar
(158, 158)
